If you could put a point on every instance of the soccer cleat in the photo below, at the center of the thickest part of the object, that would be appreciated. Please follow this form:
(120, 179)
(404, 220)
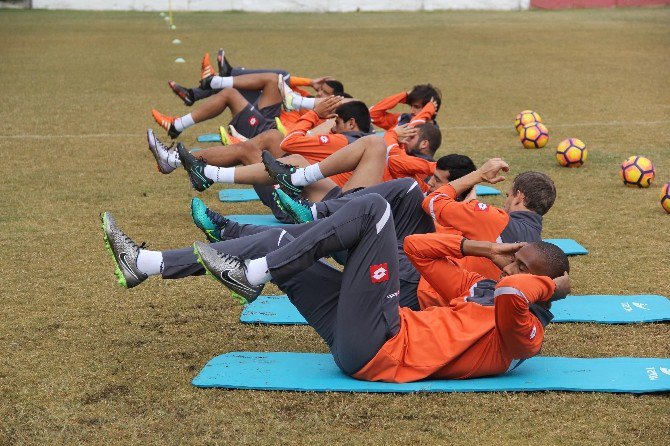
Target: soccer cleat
(280, 126)
(124, 251)
(225, 69)
(184, 94)
(225, 138)
(299, 210)
(286, 94)
(160, 153)
(280, 173)
(235, 134)
(206, 68)
(167, 122)
(195, 169)
(229, 270)
(208, 221)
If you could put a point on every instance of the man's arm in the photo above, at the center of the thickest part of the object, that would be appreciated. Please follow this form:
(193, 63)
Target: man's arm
(476, 220)
(432, 255)
(426, 114)
(297, 140)
(487, 173)
(379, 112)
(520, 332)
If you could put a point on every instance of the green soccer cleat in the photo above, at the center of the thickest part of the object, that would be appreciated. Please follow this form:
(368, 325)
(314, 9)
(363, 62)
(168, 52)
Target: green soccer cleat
(286, 94)
(299, 210)
(208, 221)
(225, 138)
(280, 173)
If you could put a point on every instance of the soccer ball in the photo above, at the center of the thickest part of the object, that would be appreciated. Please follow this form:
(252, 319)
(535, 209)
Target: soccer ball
(571, 153)
(637, 171)
(524, 118)
(534, 136)
(665, 197)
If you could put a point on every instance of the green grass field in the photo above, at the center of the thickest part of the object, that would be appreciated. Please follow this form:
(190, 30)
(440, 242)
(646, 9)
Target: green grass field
(85, 362)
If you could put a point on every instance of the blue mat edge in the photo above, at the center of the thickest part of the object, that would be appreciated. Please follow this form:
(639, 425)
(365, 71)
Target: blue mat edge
(426, 389)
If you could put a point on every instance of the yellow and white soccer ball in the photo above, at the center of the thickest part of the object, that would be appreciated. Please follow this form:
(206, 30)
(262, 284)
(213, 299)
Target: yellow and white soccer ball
(571, 152)
(524, 118)
(534, 136)
(637, 171)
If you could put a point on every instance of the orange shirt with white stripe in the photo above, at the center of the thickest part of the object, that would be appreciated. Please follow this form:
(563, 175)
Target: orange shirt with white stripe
(463, 339)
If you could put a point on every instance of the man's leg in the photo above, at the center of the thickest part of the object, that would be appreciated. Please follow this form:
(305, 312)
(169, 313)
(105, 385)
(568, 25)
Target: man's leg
(365, 157)
(367, 310)
(246, 152)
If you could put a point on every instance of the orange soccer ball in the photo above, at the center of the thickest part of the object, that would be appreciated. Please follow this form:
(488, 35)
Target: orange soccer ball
(534, 135)
(637, 171)
(665, 197)
(571, 153)
(524, 118)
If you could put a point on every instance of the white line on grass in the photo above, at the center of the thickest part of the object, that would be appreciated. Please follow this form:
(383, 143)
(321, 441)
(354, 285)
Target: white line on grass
(456, 127)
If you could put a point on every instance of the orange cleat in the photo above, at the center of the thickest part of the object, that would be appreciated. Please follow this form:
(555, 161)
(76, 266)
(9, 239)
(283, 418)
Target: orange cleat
(167, 122)
(206, 68)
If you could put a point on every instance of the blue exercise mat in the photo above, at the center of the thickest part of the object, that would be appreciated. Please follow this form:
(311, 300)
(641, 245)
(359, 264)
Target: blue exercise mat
(316, 372)
(209, 137)
(568, 245)
(236, 195)
(256, 219)
(602, 309)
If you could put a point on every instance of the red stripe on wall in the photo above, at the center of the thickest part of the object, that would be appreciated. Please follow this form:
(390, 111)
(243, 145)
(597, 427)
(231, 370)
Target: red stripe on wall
(565, 4)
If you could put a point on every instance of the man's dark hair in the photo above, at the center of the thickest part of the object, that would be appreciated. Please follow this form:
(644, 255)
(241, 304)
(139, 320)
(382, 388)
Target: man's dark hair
(431, 133)
(337, 87)
(557, 261)
(357, 110)
(458, 166)
(423, 93)
(344, 94)
(538, 189)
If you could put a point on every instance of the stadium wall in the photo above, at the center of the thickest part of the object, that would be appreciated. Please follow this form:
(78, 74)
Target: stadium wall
(283, 5)
(330, 5)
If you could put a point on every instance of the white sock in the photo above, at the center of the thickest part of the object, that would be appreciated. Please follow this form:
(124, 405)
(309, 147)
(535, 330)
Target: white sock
(150, 262)
(220, 174)
(313, 209)
(303, 103)
(220, 82)
(304, 176)
(173, 158)
(257, 271)
(183, 123)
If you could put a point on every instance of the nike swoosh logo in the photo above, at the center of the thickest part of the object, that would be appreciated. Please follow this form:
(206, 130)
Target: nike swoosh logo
(225, 276)
(124, 261)
(199, 175)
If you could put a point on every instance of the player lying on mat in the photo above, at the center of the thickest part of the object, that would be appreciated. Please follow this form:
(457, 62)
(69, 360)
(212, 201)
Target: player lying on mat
(416, 99)
(323, 87)
(531, 196)
(248, 119)
(487, 330)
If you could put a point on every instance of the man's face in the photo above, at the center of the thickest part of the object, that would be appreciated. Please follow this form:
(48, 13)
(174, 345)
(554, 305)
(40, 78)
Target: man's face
(415, 107)
(527, 260)
(412, 143)
(340, 126)
(511, 197)
(324, 90)
(439, 179)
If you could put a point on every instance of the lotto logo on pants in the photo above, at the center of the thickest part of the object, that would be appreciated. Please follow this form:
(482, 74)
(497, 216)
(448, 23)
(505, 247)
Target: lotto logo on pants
(379, 273)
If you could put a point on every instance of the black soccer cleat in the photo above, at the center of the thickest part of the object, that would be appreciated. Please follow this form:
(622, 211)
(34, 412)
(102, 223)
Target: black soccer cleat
(225, 69)
(195, 169)
(229, 270)
(281, 174)
(185, 94)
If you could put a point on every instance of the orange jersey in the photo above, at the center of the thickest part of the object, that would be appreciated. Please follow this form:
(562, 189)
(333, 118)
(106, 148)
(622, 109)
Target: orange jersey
(463, 339)
(379, 112)
(317, 147)
(473, 219)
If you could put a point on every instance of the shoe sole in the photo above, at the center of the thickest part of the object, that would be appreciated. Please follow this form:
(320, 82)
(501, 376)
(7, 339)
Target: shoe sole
(187, 101)
(117, 269)
(233, 294)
